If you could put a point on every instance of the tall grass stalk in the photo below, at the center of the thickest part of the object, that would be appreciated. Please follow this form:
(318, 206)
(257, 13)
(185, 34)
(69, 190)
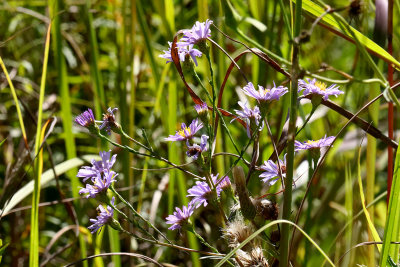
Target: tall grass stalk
(34, 238)
(371, 161)
(96, 77)
(287, 195)
(66, 114)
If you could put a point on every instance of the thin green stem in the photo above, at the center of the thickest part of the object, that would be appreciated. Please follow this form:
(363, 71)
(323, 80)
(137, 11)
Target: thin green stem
(287, 196)
(130, 220)
(191, 229)
(138, 214)
(171, 245)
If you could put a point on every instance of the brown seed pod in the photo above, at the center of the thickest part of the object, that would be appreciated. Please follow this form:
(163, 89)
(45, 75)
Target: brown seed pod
(266, 209)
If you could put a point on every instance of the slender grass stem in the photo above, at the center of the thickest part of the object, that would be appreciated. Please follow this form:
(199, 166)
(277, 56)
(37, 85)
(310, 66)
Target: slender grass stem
(287, 201)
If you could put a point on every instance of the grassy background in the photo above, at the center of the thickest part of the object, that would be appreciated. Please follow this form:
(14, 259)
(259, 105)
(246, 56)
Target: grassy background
(105, 53)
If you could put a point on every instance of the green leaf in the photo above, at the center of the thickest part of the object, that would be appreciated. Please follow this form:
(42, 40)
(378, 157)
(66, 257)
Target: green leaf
(392, 224)
(335, 27)
(369, 221)
(2, 142)
(2, 249)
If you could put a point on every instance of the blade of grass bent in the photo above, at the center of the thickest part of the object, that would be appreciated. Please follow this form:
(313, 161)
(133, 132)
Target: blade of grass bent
(334, 26)
(14, 95)
(371, 159)
(369, 221)
(34, 238)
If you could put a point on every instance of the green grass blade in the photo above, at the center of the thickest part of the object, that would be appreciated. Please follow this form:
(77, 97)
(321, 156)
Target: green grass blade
(371, 161)
(47, 177)
(367, 216)
(14, 95)
(349, 215)
(66, 114)
(392, 224)
(99, 98)
(34, 239)
(329, 20)
(146, 35)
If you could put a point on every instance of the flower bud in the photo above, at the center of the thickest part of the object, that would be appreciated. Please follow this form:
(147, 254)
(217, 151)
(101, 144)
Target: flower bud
(203, 46)
(246, 205)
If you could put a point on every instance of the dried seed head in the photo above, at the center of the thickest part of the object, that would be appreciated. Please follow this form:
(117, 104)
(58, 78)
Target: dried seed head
(237, 231)
(266, 209)
(254, 258)
(275, 236)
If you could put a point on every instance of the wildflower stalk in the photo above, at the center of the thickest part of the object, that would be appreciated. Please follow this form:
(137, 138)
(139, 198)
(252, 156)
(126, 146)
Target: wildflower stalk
(214, 192)
(135, 141)
(192, 230)
(219, 114)
(138, 214)
(211, 81)
(152, 155)
(169, 245)
(314, 108)
(130, 220)
(287, 196)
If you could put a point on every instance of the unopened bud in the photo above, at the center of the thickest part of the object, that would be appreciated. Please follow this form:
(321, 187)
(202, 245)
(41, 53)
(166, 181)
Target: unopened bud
(246, 205)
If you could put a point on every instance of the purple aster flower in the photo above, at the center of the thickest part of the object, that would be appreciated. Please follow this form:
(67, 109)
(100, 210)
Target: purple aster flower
(264, 94)
(249, 116)
(311, 144)
(85, 119)
(200, 31)
(224, 183)
(195, 150)
(98, 167)
(179, 217)
(185, 132)
(271, 171)
(183, 51)
(201, 192)
(104, 217)
(316, 87)
(109, 120)
(100, 184)
(202, 108)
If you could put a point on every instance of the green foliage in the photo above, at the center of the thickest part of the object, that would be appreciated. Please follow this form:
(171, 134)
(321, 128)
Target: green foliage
(105, 53)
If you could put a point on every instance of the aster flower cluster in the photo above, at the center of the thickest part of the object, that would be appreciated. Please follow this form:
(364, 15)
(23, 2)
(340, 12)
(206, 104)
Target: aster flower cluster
(250, 116)
(87, 120)
(197, 34)
(202, 194)
(104, 217)
(186, 133)
(98, 178)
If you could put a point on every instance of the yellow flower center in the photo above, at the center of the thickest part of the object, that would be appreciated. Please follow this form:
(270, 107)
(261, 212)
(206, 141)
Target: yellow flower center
(321, 85)
(265, 91)
(182, 132)
(311, 142)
